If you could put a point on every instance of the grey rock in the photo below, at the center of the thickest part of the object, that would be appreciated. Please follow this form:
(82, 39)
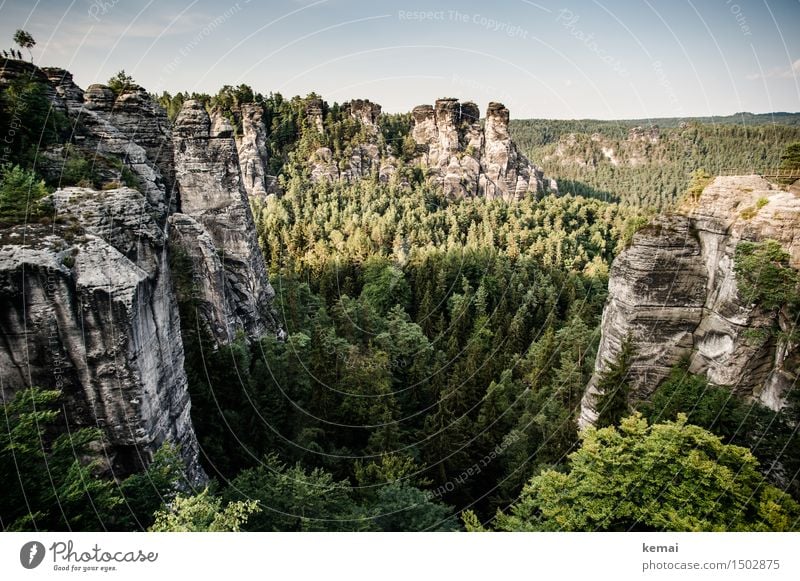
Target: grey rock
(314, 114)
(97, 319)
(213, 195)
(674, 292)
(251, 147)
(466, 160)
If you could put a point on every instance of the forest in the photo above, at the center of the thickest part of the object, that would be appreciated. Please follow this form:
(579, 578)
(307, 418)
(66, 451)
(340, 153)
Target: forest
(436, 354)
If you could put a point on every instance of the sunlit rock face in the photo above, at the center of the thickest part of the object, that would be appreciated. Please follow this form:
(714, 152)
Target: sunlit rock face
(467, 160)
(674, 293)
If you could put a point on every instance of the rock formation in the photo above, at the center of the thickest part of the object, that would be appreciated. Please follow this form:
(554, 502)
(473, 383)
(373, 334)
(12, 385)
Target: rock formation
(213, 201)
(314, 114)
(89, 309)
(466, 160)
(674, 293)
(88, 302)
(251, 147)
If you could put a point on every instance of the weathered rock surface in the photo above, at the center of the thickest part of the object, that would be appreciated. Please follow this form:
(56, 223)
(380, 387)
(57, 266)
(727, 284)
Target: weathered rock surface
(584, 150)
(364, 111)
(314, 114)
(88, 305)
(140, 141)
(70, 93)
(145, 122)
(213, 195)
(251, 146)
(674, 292)
(89, 309)
(466, 160)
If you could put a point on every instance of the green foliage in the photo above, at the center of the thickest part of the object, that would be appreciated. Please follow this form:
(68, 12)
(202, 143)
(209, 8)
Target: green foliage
(203, 512)
(384, 285)
(612, 404)
(764, 276)
(145, 492)
(670, 476)
(398, 507)
(293, 499)
(21, 191)
(313, 225)
(770, 435)
(698, 181)
(53, 487)
(790, 159)
(25, 40)
(120, 82)
(645, 173)
(28, 122)
(297, 499)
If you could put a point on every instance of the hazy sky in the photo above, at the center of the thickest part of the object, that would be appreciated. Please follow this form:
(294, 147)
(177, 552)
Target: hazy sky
(570, 59)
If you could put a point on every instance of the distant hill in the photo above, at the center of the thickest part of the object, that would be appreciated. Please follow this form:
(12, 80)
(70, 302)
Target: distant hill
(648, 162)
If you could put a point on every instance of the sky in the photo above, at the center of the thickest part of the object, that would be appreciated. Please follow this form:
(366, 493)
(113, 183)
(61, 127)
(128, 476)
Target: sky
(568, 59)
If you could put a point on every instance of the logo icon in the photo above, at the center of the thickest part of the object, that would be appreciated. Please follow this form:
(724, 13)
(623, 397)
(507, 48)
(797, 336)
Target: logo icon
(31, 554)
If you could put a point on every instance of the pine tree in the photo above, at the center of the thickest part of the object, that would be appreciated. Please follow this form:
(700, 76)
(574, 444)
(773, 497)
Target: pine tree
(614, 388)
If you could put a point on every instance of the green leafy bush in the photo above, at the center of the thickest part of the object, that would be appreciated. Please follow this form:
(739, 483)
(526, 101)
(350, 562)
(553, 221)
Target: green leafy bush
(670, 476)
(764, 276)
(20, 193)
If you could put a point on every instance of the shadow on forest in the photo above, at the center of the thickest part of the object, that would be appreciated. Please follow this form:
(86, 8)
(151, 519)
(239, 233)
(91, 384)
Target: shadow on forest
(577, 188)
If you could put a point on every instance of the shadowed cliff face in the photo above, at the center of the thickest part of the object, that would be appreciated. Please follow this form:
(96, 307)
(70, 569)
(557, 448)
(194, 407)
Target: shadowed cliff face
(215, 210)
(674, 292)
(88, 304)
(88, 308)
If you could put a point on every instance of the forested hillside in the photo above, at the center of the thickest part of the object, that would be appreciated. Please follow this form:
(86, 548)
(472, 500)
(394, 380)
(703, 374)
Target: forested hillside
(431, 351)
(648, 163)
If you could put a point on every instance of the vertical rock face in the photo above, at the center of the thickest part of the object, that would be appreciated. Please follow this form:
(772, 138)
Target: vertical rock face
(87, 303)
(145, 122)
(314, 114)
(94, 315)
(468, 161)
(93, 115)
(70, 93)
(252, 149)
(364, 157)
(364, 111)
(674, 293)
(213, 196)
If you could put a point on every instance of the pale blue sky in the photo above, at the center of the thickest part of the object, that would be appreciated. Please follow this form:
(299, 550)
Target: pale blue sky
(569, 59)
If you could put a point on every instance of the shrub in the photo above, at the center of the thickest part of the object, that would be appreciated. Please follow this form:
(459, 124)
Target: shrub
(20, 193)
(764, 275)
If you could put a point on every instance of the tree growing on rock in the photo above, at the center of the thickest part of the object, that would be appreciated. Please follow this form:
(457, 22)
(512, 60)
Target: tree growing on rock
(25, 40)
(120, 82)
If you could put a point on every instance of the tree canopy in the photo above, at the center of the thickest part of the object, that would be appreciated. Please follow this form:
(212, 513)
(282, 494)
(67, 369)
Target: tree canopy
(670, 476)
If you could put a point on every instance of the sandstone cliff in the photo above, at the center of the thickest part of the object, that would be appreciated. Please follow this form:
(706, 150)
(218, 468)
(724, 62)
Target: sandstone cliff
(459, 155)
(88, 302)
(674, 292)
(467, 160)
(252, 151)
(215, 209)
(362, 158)
(88, 308)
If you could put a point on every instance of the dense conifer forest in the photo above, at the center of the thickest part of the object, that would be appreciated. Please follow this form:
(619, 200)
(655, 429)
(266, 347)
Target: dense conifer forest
(436, 350)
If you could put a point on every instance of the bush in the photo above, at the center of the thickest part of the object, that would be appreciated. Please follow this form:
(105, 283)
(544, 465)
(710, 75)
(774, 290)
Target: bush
(764, 276)
(20, 193)
(662, 477)
(120, 82)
